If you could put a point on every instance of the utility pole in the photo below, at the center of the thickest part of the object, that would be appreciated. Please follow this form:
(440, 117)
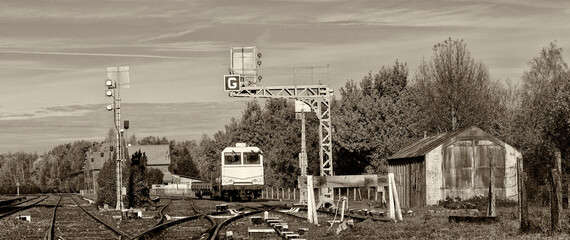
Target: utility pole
(85, 172)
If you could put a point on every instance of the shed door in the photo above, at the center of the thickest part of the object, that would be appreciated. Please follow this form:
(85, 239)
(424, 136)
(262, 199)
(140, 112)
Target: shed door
(410, 181)
(417, 186)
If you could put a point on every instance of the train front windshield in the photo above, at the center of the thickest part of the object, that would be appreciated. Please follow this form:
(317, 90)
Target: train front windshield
(251, 158)
(231, 158)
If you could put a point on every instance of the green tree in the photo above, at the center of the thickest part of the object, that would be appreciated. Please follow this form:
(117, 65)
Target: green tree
(17, 168)
(67, 161)
(107, 192)
(138, 189)
(453, 90)
(372, 119)
(182, 158)
(153, 176)
(545, 114)
(209, 155)
(152, 140)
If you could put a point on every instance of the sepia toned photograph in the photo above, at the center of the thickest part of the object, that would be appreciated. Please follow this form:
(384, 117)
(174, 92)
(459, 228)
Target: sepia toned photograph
(284, 119)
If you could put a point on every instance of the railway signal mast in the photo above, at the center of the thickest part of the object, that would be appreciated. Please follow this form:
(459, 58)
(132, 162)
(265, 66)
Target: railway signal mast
(117, 78)
(243, 80)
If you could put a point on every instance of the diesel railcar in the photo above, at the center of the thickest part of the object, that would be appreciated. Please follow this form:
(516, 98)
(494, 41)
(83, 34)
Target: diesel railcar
(241, 175)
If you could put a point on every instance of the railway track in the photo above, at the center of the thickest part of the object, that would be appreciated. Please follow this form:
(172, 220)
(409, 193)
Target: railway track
(49, 234)
(21, 206)
(70, 221)
(10, 201)
(69, 217)
(180, 222)
(295, 220)
(32, 221)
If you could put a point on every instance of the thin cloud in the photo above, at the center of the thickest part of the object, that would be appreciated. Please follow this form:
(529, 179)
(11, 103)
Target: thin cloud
(171, 35)
(94, 54)
(54, 111)
(443, 14)
(85, 10)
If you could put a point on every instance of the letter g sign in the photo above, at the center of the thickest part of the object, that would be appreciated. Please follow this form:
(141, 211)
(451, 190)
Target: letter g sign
(231, 83)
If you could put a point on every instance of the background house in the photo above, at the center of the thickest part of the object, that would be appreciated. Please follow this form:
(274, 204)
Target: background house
(158, 157)
(181, 179)
(454, 164)
(94, 163)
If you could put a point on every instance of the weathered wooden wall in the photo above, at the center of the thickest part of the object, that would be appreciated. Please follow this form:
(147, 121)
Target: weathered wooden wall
(410, 176)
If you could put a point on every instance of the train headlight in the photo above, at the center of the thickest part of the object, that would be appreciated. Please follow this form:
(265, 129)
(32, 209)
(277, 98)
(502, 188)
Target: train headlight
(257, 180)
(227, 180)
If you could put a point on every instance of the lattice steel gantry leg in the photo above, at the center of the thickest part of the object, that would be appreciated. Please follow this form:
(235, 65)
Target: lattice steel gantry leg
(321, 106)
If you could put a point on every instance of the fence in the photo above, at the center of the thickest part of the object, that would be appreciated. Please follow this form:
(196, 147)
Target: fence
(352, 193)
(172, 190)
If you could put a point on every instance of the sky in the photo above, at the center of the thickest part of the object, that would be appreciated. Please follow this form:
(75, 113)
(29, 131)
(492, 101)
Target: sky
(54, 55)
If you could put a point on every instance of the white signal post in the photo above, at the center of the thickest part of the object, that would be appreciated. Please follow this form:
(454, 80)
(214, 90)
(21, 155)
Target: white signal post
(300, 109)
(117, 78)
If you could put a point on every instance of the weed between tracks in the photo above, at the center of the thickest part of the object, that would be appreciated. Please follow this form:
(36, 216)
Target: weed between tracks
(424, 225)
(421, 225)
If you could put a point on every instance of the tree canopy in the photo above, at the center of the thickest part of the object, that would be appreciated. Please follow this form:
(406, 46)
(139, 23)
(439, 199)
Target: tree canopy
(453, 90)
(371, 118)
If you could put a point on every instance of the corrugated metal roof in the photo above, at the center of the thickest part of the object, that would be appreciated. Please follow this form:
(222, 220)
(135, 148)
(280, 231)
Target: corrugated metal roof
(425, 145)
(155, 154)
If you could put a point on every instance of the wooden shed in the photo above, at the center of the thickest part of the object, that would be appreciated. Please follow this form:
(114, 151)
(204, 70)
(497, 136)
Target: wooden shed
(454, 164)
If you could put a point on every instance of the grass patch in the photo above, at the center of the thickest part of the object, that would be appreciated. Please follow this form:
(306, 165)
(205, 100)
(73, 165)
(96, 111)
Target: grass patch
(422, 225)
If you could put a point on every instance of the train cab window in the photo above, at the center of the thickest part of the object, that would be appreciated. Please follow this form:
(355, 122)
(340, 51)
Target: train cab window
(251, 158)
(232, 159)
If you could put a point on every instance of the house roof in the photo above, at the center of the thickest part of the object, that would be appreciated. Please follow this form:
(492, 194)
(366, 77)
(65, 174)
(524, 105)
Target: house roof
(155, 154)
(425, 145)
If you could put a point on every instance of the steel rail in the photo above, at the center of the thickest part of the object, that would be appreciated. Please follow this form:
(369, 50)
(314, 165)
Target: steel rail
(18, 209)
(161, 215)
(50, 233)
(10, 202)
(114, 229)
(163, 226)
(160, 226)
(214, 235)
